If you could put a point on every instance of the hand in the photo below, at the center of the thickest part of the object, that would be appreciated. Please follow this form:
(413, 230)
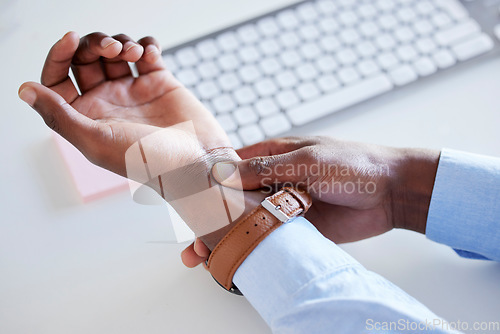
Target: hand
(359, 190)
(115, 109)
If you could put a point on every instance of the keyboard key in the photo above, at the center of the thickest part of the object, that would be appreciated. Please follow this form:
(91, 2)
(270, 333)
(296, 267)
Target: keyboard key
(328, 25)
(266, 107)
(188, 77)
(207, 89)
(235, 140)
(328, 82)
(426, 45)
(349, 36)
(385, 42)
(497, 31)
(266, 87)
(368, 67)
(406, 52)
(425, 66)
(307, 12)
(170, 63)
(388, 21)
(287, 19)
(245, 95)
(227, 122)
(348, 17)
(290, 39)
(269, 47)
(326, 63)
(287, 98)
(186, 56)
(347, 56)
(208, 70)
(367, 11)
(406, 14)
(404, 34)
(306, 71)
(339, 99)
(366, 49)
(423, 27)
(326, 6)
(249, 54)
(310, 50)
(251, 134)
(369, 29)
(286, 79)
(228, 62)
(385, 5)
(473, 47)
(207, 49)
(223, 104)
(454, 8)
(403, 75)
(290, 58)
(245, 115)
(270, 66)
(250, 73)
(424, 7)
(229, 81)
(275, 125)
(387, 60)
(441, 20)
(248, 33)
(268, 26)
(329, 43)
(444, 58)
(308, 91)
(458, 32)
(309, 32)
(228, 41)
(348, 75)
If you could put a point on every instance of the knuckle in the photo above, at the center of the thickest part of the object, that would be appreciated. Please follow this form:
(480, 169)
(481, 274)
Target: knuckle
(258, 165)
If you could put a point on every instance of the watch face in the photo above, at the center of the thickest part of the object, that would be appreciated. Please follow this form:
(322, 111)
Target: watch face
(183, 182)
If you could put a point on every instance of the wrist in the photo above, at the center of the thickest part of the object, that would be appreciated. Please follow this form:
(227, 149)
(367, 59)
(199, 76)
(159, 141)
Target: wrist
(411, 188)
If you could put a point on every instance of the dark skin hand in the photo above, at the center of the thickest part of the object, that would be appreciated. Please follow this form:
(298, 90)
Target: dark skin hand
(359, 190)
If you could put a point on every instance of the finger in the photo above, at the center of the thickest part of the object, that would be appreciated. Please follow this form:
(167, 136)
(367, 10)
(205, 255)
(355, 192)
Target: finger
(58, 114)
(56, 68)
(189, 257)
(257, 172)
(118, 67)
(151, 59)
(201, 249)
(86, 64)
(276, 146)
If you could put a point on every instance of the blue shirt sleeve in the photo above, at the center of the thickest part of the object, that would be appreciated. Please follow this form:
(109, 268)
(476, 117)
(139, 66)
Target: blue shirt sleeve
(464, 212)
(301, 282)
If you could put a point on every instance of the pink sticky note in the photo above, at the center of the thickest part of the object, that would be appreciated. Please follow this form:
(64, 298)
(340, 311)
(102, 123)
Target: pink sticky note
(91, 181)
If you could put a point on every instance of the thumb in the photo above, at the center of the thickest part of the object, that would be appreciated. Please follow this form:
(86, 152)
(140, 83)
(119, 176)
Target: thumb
(56, 112)
(254, 173)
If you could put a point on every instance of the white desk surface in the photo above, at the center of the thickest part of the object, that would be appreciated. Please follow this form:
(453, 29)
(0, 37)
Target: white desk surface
(67, 267)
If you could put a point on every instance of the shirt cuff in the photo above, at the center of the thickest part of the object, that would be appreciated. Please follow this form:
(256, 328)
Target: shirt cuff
(464, 211)
(295, 247)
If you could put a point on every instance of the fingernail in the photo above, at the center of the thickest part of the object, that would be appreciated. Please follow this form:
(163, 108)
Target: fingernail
(129, 45)
(28, 95)
(108, 41)
(152, 49)
(222, 171)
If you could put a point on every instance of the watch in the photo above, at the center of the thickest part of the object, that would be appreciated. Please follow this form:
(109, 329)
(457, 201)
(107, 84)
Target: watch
(242, 239)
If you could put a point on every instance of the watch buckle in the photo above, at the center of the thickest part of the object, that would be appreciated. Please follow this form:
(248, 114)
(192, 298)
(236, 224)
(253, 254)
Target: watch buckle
(275, 210)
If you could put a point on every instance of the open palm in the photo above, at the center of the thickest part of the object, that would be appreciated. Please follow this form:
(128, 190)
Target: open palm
(115, 109)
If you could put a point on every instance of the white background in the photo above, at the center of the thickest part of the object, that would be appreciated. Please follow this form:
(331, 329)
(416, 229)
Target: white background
(68, 267)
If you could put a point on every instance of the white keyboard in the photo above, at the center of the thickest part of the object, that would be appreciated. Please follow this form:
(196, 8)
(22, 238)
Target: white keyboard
(290, 67)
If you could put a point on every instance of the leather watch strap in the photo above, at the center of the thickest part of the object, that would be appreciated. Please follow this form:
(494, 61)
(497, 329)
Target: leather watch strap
(242, 239)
